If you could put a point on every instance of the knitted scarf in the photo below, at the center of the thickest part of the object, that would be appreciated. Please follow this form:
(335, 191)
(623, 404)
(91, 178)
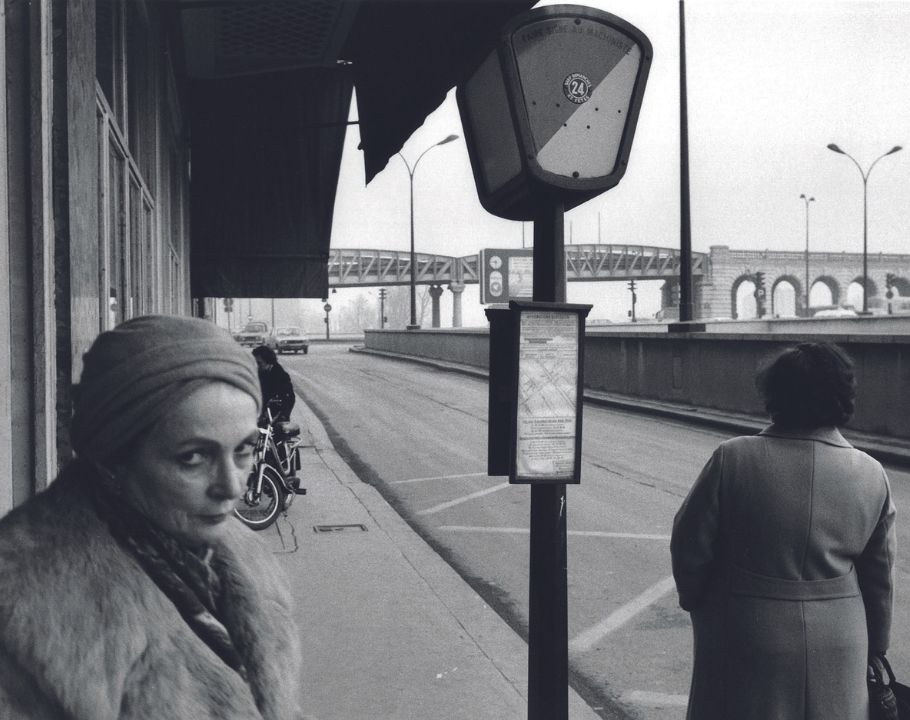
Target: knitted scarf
(185, 576)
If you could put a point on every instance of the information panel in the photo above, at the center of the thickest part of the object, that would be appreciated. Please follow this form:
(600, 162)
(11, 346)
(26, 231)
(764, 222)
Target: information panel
(506, 274)
(547, 425)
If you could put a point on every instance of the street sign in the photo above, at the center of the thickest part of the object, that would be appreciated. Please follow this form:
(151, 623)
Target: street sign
(506, 274)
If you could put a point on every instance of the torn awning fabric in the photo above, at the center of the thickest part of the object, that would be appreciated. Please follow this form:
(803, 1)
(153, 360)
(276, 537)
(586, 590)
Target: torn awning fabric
(407, 55)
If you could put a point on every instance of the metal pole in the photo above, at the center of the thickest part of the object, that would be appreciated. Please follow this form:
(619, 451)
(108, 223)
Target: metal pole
(411, 171)
(865, 246)
(548, 633)
(686, 308)
(865, 175)
(806, 303)
(273, 313)
(413, 258)
(806, 199)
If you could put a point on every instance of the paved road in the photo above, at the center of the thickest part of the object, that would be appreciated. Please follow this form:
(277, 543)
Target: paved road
(419, 435)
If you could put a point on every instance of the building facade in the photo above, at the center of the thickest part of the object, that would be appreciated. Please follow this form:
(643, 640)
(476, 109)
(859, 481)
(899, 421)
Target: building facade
(94, 170)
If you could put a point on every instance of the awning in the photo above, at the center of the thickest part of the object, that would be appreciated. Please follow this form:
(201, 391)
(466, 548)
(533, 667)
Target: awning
(269, 93)
(407, 55)
(265, 158)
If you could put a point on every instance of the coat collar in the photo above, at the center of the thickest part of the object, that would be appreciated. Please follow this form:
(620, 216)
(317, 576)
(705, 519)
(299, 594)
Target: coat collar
(828, 435)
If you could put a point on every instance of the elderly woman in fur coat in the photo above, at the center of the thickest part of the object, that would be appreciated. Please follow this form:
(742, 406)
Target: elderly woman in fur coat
(783, 554)
(127, 589)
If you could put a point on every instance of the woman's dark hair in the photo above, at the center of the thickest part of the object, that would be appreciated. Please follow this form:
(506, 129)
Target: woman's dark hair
(810, 385)
(266, 353)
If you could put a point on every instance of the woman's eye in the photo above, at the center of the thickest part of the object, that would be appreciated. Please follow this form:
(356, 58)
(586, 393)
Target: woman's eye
(191, 458)
(244, 452)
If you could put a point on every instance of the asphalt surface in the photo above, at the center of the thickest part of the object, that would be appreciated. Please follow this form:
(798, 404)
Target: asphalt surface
(419, 436)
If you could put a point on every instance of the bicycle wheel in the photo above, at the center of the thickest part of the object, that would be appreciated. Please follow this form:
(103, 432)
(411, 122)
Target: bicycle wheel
(259, 513)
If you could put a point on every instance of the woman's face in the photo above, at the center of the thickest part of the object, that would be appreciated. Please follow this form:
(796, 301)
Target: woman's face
(192, 466)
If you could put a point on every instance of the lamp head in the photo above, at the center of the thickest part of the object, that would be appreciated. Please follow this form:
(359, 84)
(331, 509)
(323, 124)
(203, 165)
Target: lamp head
(895, 149)
(450, 138)
(835, 148)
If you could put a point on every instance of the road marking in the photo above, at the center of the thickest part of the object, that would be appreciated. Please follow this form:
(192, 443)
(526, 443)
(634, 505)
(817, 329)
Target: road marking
(466, 498)
(577, 533)
(654, 699)
(619, 617)
(438, 477)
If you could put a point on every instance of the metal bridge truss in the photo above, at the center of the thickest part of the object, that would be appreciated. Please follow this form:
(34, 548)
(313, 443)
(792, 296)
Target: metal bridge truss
(363, 268)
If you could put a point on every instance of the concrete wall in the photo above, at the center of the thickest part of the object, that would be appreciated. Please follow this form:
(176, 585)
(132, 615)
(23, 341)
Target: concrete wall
(710, 370)
(468, 346)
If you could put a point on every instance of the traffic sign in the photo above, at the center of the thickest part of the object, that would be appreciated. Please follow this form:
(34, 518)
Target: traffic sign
(327, 307)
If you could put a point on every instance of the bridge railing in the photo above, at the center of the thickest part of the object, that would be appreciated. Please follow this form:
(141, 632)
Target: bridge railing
(366, 267)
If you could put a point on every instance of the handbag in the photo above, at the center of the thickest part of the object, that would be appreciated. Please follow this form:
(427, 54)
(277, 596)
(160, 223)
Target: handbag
(888, 699)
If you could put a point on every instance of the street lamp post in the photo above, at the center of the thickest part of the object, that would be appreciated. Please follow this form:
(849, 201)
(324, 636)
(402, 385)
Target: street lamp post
(411, 170)
(865, 176)
(807, 200)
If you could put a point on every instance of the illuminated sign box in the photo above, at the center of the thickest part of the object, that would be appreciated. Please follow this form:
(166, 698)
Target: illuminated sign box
(553, 108)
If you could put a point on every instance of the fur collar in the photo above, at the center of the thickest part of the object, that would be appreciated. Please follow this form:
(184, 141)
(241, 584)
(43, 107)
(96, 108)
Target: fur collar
(79, 616)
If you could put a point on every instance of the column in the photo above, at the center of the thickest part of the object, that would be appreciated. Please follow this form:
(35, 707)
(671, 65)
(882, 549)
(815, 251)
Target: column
(435, 294)
(669, 299)
(457, 289)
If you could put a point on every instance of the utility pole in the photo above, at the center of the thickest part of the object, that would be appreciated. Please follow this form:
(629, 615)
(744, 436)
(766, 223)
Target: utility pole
(548, 629)
(634, 299)
(686, 306)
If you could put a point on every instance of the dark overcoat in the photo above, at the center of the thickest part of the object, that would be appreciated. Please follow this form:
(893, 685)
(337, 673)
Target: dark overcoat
(85, 634)
(783, 554)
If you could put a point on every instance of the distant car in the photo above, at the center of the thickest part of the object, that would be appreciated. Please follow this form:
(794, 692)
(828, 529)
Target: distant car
(836, 313)
(291, 339)
(254, 334)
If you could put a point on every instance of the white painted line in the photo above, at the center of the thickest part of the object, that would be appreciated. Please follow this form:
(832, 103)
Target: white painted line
(654, 699)
(466, 498)
(577, 533)
(619, 617)
(438, 477)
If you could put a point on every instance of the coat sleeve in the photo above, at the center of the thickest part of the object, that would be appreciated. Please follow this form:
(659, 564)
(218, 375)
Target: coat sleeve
(695, 528)
(875, 570)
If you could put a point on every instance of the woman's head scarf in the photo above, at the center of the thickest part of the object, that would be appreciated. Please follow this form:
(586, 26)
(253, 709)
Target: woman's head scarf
(136, 373)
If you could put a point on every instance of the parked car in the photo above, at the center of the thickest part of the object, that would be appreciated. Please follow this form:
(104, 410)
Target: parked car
(255, 333)
(291, 339)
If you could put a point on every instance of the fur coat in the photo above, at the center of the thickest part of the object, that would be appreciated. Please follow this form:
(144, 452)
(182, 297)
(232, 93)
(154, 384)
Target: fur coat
(85, 634)
(783, 553)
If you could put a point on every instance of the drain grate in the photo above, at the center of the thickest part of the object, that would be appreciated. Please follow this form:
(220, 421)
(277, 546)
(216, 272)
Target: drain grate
(353, 527)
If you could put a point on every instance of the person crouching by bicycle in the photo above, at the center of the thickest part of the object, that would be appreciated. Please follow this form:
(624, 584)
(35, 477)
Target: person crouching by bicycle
(277, 391)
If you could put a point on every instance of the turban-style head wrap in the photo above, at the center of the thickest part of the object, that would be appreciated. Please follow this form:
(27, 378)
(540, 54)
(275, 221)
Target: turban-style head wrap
(136, 373)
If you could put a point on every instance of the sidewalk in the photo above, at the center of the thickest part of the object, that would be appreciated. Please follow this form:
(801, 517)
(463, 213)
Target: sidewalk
(389, 630)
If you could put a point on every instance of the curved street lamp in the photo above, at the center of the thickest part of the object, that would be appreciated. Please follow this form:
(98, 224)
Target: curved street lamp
(413, 273)
(865, 176)
(807, 200)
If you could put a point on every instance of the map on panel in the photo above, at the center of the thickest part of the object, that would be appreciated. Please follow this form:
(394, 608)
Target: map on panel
(547, 395)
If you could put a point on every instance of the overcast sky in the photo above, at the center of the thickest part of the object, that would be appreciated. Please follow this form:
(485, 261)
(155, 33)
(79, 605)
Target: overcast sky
(770, 85)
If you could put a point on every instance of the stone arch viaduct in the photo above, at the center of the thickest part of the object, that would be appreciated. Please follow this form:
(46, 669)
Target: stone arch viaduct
(718, 275)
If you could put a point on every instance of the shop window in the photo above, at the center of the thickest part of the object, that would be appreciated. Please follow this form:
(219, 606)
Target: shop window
(109, 56)
(117, 247)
